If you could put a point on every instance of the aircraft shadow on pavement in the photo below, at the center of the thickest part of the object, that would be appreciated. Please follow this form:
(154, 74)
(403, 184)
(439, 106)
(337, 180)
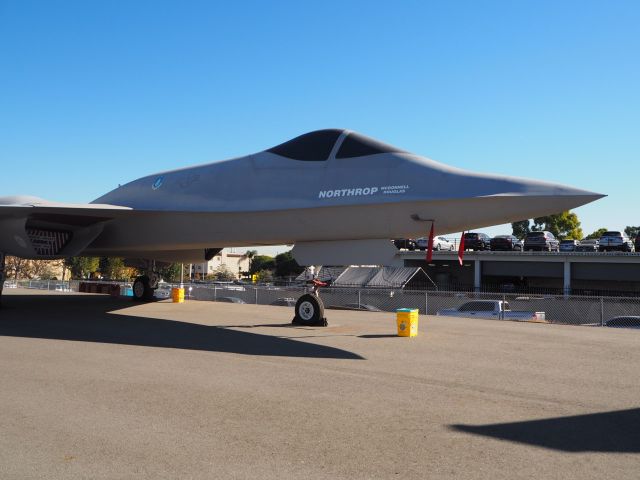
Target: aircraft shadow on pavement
(95, 319)
(613, 432)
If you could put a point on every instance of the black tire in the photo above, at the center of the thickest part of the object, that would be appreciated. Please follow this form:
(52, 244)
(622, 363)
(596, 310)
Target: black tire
(142, 291)
(438, 247)
(309, 310)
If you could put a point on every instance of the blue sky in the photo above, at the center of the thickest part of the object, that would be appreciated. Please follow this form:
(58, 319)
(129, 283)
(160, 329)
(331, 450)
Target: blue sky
(93, 94)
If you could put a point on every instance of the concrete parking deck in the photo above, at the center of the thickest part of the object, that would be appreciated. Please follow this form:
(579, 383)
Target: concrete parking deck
(95, 387)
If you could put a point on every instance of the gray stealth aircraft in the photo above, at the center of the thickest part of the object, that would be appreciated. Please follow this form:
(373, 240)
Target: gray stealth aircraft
(329, 192)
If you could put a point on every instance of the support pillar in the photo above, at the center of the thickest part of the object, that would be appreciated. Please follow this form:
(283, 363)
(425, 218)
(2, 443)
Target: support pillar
(477, 275)
(567, 278)
(2, 267)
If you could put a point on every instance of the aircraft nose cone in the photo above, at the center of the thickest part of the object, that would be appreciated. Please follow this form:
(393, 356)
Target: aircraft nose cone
(537, 188)
(541, 195)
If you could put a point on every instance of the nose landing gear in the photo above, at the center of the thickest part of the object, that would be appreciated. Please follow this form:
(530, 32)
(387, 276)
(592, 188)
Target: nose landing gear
(309, 307)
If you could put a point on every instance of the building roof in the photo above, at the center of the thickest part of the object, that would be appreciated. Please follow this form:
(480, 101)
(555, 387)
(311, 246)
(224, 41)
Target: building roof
(379, 277)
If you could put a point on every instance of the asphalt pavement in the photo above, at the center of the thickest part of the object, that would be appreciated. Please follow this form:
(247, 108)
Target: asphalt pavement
(101, 388)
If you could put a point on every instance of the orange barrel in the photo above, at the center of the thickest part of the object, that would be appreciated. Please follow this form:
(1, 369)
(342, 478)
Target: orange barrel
(177, 295)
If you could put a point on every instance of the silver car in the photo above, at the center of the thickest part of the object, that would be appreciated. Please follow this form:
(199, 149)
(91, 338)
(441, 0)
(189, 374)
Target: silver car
(615, 241)
(439, 243)
(588, 245)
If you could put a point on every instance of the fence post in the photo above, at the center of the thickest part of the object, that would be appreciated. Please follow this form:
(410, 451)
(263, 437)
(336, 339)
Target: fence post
(602, 311)
(359, 300)
(504, 303)
(426, 303)
(256, 290)
(215, 294)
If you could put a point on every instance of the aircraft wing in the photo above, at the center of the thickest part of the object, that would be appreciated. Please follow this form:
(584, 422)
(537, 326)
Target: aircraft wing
(31, 227)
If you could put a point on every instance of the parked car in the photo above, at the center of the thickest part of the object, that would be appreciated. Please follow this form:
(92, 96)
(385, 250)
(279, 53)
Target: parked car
(162, 292)
(439, 243)
(588, 245)
(477, 241)
(569, 245)
(615, 241)
(491, 309)
(284, 302)
(628, 321)
(542, 241)
(405, 243)
(506, 242)
(230, 300)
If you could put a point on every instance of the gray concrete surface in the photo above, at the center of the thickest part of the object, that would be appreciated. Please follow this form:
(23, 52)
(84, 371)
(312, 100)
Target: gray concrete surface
(94, 387)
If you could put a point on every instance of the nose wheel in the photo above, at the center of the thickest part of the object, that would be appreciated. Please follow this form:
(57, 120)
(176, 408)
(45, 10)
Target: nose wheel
(310, 309)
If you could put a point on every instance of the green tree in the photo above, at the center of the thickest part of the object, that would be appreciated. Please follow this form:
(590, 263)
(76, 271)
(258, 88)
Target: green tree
(286, 265)
(250, 254)
(265, 276)
(171, 272)
(597, 234)
(632, 232)
(82, 267)
(262, 262)
(521, 228)
(113, 268)
(563, 225)
(221, 274)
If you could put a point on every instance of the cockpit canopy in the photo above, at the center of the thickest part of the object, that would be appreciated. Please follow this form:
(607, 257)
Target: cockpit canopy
(317, 146)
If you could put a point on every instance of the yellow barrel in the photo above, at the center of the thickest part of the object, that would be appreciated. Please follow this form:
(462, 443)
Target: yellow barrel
(407, 319)
(177, 295)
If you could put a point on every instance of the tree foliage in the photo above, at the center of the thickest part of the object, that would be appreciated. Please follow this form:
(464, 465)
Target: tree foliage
(521, 228)
(564, 225)
(283, 265)
(171, 273)
(632, 232)
(286, 265)
(114, 268)
(82, 267)
(262, 262)
(221, 274)
(20, 268)
(265, 275)
(597, 234)
(250, 254)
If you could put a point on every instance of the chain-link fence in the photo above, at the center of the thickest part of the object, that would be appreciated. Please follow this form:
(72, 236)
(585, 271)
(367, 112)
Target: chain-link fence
(609, 311)
(51, 285)
(559, 309)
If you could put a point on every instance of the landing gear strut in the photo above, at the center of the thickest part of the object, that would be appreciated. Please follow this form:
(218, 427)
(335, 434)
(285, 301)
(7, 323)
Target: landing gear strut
(309, 307)
(145, 285)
